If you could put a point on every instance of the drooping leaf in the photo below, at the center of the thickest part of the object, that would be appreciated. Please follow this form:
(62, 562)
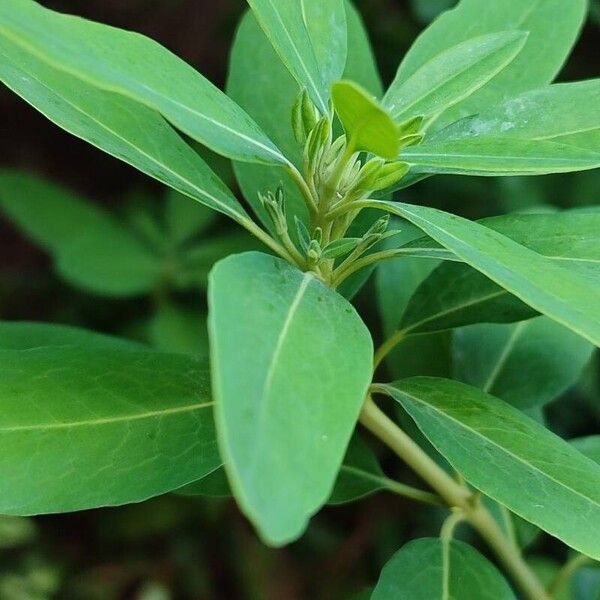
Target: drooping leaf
(567, 113)
(287, 399)
(137, 67)
(435, 569)
(488, 156)
(360, 474)
(368, 125)
(117, 125)
(85, 426)
(284, 24)
(553, 27)
(270, 103)
(453, 75)
(565, 296)
(492, 358)
(494, 445)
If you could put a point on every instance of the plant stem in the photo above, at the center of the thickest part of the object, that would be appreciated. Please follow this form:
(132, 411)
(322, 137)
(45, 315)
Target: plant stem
(388, 346)
(309, 200)
(266, 239)
(567, 571)
(455, 495)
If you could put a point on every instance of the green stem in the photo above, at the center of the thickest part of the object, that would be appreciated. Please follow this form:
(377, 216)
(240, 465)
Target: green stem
(309, 200)
(388, 346)
(449, 525)
(567, 571)
(267, 240)
(455, 495)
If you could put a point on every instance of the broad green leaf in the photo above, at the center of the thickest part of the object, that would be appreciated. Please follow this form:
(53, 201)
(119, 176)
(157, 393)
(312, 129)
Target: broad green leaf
(491, 357)
(455, 295)
(567, 113)
(563, 295)
(284, 25)
(177, 329)
(25, 335)
(590, 446)
(117, 125)
(327, 28)
(214, 485)
(360, 474)
(84, 427)
(368, 125)
(509, 457)
(287, 399)
(553, 27)
(270, 103)
(185, 219)
(489, 156)
(135, 66)
(453, 75)
(435, 569)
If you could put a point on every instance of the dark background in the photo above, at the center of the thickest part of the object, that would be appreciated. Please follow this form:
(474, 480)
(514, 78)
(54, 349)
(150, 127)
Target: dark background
(175, 547)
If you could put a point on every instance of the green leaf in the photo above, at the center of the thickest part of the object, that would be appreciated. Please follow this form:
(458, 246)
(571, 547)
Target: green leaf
(488, 156)
(23, 335)
(368, 126)
(135, 66)
(553, 27)
(563, 295)
(433, 569)
(453, 75)
(590, 446)
(327, 28)
(85, 427)
(284, 24)
(567, 113)
(360, 474)
(287, 399)
(214, 485)
(492, 358)
(509, 457)
(117, 125)
(270, 104)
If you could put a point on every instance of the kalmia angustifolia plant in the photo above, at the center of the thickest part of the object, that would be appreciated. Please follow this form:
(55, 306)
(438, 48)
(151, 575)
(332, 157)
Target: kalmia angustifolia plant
(318, 151)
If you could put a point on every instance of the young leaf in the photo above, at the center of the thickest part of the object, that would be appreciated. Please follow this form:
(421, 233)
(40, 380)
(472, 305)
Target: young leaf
(524, 273)
(435, 569)
(453, 75)
(284, 25)
(553, 27)
(488, 156)
(494, 446)
(360, 474)
(368, 126)
(117, 125)
(137, 67)
(85, 426)
(491, 357)
(287, 399)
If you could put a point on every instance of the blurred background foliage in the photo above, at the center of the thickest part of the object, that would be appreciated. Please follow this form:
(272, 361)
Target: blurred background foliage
(184, 546)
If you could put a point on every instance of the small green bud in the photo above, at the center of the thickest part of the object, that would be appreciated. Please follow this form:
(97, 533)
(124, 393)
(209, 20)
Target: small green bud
(297, 121)
(318, 234)
(369, 172)
(274, 204)
(379, 227)
(317, 140)
(314, 252)
(303, 234)
(304, 117)
(411, 140)
(389, 175)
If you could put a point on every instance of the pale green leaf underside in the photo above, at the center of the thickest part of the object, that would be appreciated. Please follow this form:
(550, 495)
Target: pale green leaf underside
(567, 113)
(453, 75)
(491, 357)
(488, 156)
(553, 27)
(287, 399)
(432, 569)
(100, 425)
(509, 457)
(139, 68)
(117, 125)
(283, 23)
(565, 296)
